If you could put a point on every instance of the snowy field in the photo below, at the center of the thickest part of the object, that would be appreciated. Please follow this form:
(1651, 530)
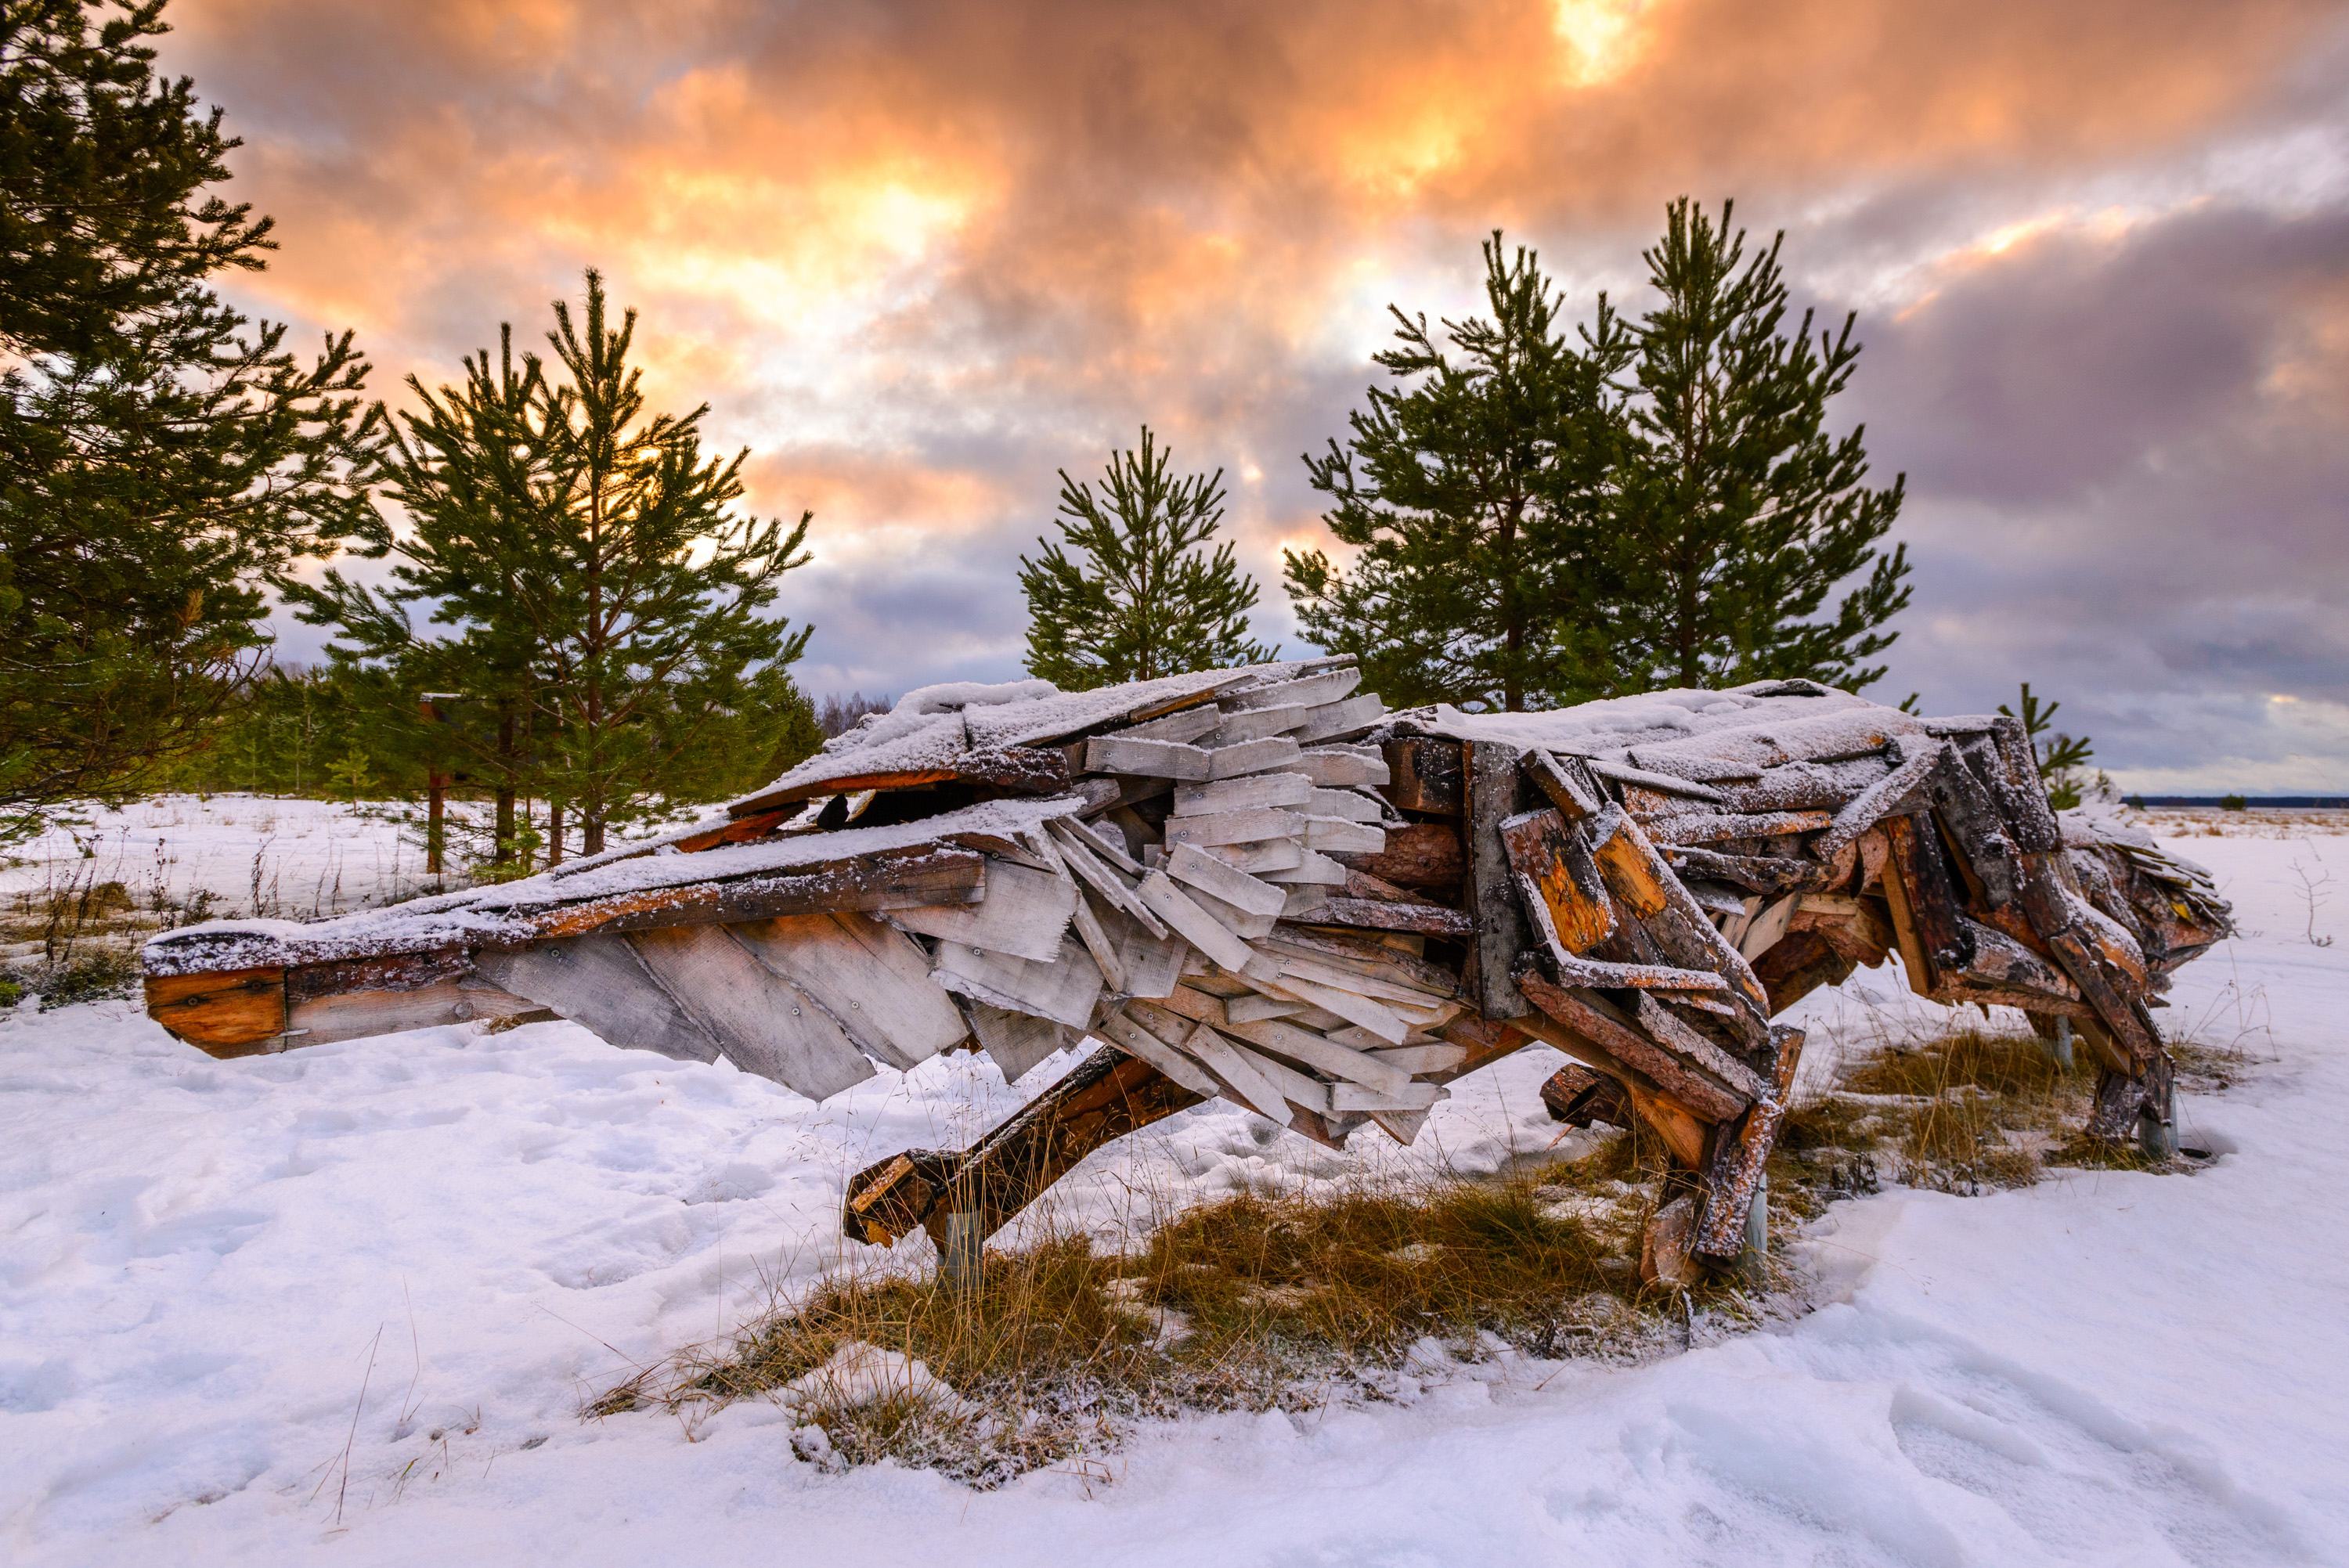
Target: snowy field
(348, 1302)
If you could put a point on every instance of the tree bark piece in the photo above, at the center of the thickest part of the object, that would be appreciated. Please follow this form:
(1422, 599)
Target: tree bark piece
(1502, 931)
(1739, 1156)
(1426, 776)
(1653, 1067)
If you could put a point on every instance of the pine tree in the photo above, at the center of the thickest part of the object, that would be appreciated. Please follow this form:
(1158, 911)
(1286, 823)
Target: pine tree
(1474, 497)
(2061, 758)
(1739, 513)
(1144, 600)
(159, 461)
(598, 583)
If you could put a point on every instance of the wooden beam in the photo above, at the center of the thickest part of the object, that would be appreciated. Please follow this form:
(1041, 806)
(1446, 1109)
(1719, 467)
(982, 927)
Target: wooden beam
(1734, 1175)
(1587, 1017)
(1502, 931)
(1426, 856)
(1424, 775)
(1103, 1097)
(234, 1013)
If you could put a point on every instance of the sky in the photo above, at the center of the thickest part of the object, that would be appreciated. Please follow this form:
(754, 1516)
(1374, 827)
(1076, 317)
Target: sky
(919, 257)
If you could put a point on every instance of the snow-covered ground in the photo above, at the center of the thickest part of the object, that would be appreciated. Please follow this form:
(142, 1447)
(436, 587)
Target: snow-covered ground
(353, 1297)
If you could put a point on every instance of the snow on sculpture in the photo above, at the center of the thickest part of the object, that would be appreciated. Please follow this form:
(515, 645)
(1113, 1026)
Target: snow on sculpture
(1259, 884)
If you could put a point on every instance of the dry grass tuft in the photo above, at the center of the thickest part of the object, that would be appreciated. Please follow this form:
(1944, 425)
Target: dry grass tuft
(1263, 1302)
(1252, 1302)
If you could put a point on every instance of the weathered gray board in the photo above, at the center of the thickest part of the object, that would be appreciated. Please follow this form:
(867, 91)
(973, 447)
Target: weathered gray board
(600, 984)
(873, 979)
(763, 1023)
(355, 1014)
(1024, 913)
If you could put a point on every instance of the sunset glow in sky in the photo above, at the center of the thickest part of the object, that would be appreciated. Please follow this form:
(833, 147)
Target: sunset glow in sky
(918, 256)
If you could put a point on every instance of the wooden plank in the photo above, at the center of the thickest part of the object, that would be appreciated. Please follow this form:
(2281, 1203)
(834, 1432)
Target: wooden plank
(1151, 957)
(1336, 836)
(1024, 914)
(1567, 781)
(1561, 878)
(1755, 873)
(1300, 1090)
(1492, 899)
(1263, 855)
(1594, 1020)
(1313, 868)
(1100, 944)
(1921, 756)
(1393, 985)
(1768, 926)
(1662, 783)
(1683, 1039)
(1733, 1176)
(1274, 753)
(1428, 919)
(1063, 989)
(740, 829)
(1929, 893)
(391, 971)
(1345, 1097)
(1107, 1096)
(1112, 889)
(1258, 723)
(1251, 792)
(762, 1022)
(1237, 1069)
(1635, 872)
(1426, 775)
(1186, 725)
(1711, 827)
(873, 978)
(1683, 1128)
(1130, 1037)
(600, 984)
(1233, 827)
(1108, 847)
(1305, 901)
(1310, 691)
(1418, 1060)
(355, 1015)
(1187, 863)
(1255, 1009)
(1351, 1006)
(1242, 924)
(228, 1013)
(926, 876)
(1157, 758)
(1335, 767)
(1322, 1054)
(1366, 955)
(1351, 804)
(1015, 1042)
(1350, 716)
(1196, 926)
(1427, 856)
